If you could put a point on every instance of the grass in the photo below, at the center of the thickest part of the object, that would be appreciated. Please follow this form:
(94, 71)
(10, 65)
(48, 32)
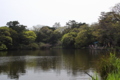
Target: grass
(109, 67)
(113, 76)
(95, 77)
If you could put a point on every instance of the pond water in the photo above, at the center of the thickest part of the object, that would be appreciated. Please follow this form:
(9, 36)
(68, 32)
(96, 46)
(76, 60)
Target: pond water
(54, 64)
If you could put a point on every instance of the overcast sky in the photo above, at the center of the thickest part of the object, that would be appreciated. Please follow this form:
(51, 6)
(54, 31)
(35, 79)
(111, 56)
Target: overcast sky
(47, 12)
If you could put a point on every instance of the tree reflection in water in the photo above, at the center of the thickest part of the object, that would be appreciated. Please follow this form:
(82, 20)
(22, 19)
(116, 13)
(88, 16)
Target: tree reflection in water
(13, 66)
(72, 62)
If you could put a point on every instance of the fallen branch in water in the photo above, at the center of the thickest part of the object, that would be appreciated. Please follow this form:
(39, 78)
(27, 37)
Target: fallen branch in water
(90, 76)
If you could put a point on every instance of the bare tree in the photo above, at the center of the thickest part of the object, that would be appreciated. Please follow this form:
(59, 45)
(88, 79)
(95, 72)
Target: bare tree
(57, 25)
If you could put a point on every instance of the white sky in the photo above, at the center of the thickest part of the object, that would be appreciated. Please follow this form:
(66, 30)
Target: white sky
(47, 12)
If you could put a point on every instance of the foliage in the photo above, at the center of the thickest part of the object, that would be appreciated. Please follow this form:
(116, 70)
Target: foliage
(109, 66)
(48, 35)
(44, 34)
(55, 37)
(28, 37)
(109, 29)
(15, 37)
(5, 37)
(73, 24)
(33, 46)
(84, 37)
(68, 40)
(3, 47)
(106, 32)
(113, 76)
(16, 26)
(67, 30)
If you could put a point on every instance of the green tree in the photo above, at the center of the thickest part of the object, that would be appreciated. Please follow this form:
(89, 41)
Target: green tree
(48, 35)
(109, 29)
(98, 34)
(55, 37)
(5, 38)
(17, 33)
(84, 37)
(68, 40)
(44, 34)
(16, 26)
(74, 24)
(14, 36)
(28, 37)
(65, 31)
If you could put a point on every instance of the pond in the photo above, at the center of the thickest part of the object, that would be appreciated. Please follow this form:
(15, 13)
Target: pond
(54, 64)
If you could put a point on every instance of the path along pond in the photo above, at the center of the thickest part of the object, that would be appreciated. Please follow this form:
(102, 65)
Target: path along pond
(53, 64)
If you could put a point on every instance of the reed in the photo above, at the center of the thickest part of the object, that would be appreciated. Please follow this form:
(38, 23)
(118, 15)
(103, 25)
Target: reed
(113, 76)
(109, 67)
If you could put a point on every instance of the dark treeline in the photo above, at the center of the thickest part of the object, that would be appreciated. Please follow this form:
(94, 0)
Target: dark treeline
(103, 34)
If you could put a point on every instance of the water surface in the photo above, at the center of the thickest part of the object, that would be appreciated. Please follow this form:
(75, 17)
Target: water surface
(55, 64)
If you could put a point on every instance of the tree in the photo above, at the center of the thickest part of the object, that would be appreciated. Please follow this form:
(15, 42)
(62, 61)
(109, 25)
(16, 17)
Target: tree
(12, 24)
(74, 24)
(17, 32)
(15, 37)
(16, 26)
(28, 37)
(68, 40)
(37, 28)
(97, 34)
(5, 38)
(116, 10)
(55, 37)
(44, 34)
(48, 35)
(65, 31)
(57, 25)
(84, 37)
(109, 29)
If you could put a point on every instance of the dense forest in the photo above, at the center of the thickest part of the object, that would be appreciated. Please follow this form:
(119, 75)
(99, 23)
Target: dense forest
(103, 34)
